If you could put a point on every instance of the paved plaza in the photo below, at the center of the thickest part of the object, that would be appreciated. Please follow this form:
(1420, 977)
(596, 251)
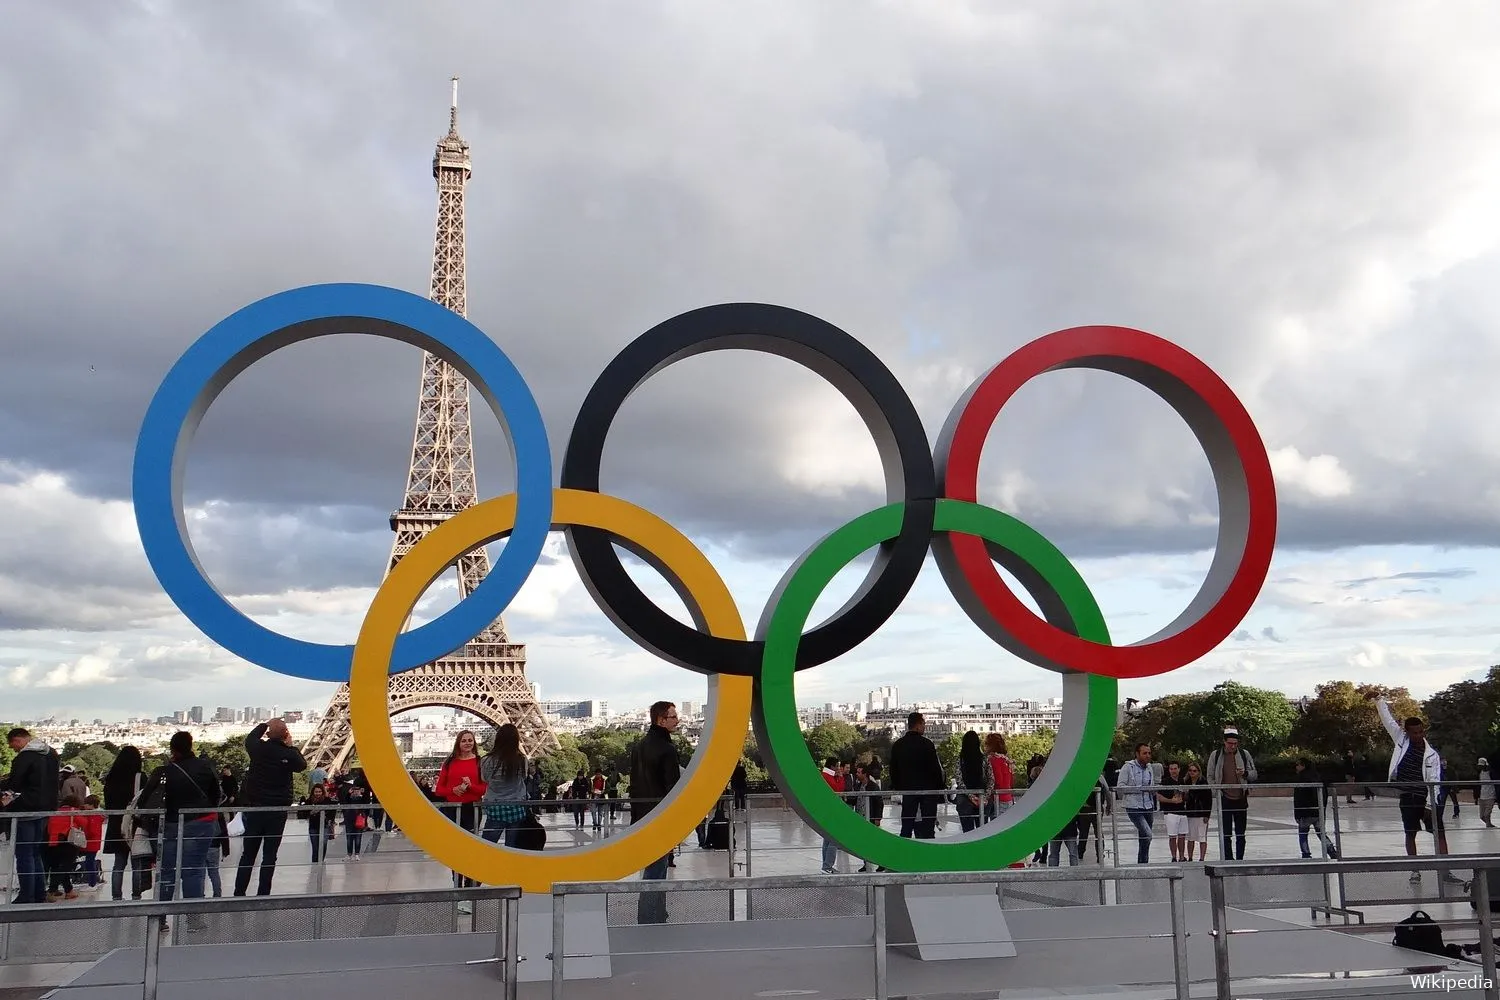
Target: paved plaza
(770, 840)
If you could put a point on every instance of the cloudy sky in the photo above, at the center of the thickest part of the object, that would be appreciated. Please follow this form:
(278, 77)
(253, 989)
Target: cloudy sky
(1305, 197)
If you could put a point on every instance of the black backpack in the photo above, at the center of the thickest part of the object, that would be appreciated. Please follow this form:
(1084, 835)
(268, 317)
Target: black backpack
(530, 834)
(1419, 932)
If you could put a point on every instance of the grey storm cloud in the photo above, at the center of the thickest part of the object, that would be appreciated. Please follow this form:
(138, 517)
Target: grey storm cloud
(1297, 195)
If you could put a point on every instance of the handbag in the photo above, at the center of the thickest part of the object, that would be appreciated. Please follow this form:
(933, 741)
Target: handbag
(78, 838)
(236, 827)
(140, 845)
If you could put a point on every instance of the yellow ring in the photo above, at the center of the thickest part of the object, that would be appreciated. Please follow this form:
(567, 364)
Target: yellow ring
(728, 715)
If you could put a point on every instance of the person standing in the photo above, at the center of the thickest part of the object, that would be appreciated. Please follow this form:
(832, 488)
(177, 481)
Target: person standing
(999, 780)
(739, 784)
(190, 797)
(268, 782)
(654, 771)
(1233, 769)
(1308, 799)
(122, 783)
(32, 787)
(1134, 786)
(968, 800)
(459, 784)
(1199, 807)
(1172, 800)
(915, 770)
(1486, 794)
(833, 776)
(505, 794)
(1416, 769)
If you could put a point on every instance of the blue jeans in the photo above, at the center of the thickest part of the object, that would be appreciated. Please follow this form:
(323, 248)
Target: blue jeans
(1141, 819)
(499, 832)
(197, 837)
(830, 855)
(30, 836)
(651, 907)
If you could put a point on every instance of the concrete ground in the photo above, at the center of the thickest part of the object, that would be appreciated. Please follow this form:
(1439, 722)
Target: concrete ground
(778, 844)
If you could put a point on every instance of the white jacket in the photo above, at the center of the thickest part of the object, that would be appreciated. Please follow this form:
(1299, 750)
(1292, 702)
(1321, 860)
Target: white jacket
(1432, 761)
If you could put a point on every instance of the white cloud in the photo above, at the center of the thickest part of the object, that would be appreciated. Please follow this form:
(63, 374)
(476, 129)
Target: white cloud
(1318, 476)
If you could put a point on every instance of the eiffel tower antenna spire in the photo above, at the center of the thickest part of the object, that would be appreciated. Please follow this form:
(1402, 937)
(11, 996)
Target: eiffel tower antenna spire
(487, 677)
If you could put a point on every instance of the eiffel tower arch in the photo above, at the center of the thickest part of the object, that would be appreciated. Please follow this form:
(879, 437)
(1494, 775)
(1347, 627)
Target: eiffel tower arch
(487, 677)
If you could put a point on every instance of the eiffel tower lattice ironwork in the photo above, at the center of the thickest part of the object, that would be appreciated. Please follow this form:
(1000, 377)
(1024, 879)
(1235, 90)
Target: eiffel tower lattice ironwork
(487, 677)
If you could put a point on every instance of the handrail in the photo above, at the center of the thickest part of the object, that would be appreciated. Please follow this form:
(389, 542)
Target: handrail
(1002, 876)
(234, 904)
(1426, 862)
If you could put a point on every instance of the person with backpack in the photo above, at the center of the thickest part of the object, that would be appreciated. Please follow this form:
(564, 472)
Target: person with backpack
(65, 842)
(187, 789)
(1233, 770)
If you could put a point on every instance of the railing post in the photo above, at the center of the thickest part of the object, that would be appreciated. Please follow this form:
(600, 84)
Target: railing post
(1486, 932)
(321, 819)
(1338, 843)
(512, 909)
(1221, 935)
(177, 880)
(749, 864)
(1179, 935)
(152, 950)
(558, 903)
(882, 988)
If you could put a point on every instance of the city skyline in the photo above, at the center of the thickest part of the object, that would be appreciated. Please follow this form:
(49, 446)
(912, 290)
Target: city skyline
(926, 201)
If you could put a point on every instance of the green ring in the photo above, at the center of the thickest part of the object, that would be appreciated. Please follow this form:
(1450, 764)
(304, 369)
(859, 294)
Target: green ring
(1034, 818)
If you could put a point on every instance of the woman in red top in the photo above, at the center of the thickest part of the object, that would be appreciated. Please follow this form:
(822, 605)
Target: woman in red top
(998, 778)
(458, 782)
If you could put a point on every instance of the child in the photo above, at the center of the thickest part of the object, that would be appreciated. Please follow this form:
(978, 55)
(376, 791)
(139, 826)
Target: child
(93, 828)
(62, 853)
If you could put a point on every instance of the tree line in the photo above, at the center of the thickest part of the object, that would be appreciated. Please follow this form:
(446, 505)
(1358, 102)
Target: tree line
(1463, 722)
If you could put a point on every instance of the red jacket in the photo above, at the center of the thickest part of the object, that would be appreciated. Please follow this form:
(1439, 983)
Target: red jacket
(59, 825)
(93, 828)
(834, 781)
(452, 775)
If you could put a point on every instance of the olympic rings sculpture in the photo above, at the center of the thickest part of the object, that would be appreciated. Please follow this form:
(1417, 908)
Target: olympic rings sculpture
(932, 503)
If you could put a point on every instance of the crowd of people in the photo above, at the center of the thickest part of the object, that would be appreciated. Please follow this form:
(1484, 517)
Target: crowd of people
(174, 825)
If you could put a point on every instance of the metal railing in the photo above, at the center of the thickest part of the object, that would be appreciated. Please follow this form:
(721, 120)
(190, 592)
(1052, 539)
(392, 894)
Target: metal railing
(1220, 874)
(154, 913)
(874, 883)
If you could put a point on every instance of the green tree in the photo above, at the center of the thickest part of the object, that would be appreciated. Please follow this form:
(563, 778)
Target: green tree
(608, 749)
(834, 738)
(948, 753)
(6, 753)
(1021, 747)
(563, 764)
(1340, 716)
(1463, 720)
(1193, 724)
(92, 760)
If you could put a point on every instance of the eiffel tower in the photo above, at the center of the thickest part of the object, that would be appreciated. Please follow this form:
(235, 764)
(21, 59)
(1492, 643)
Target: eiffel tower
(487, 677)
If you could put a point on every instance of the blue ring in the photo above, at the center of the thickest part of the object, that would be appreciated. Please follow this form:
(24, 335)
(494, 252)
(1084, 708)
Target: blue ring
(290, 317)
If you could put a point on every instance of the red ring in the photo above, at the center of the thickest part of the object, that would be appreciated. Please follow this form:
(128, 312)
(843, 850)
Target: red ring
(1242, 474)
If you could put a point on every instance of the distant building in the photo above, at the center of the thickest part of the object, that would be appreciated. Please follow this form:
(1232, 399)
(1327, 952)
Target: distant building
(593, 709)
(195, 715)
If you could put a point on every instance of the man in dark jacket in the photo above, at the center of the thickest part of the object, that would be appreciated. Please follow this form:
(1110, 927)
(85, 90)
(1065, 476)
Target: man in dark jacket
(915, 768)
(654, 771)
(268, 782)
(31, 788)
(1308, 799)
(189, 793)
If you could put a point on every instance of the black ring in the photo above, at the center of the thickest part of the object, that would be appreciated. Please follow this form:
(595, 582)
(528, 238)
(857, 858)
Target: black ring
(860, 377)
